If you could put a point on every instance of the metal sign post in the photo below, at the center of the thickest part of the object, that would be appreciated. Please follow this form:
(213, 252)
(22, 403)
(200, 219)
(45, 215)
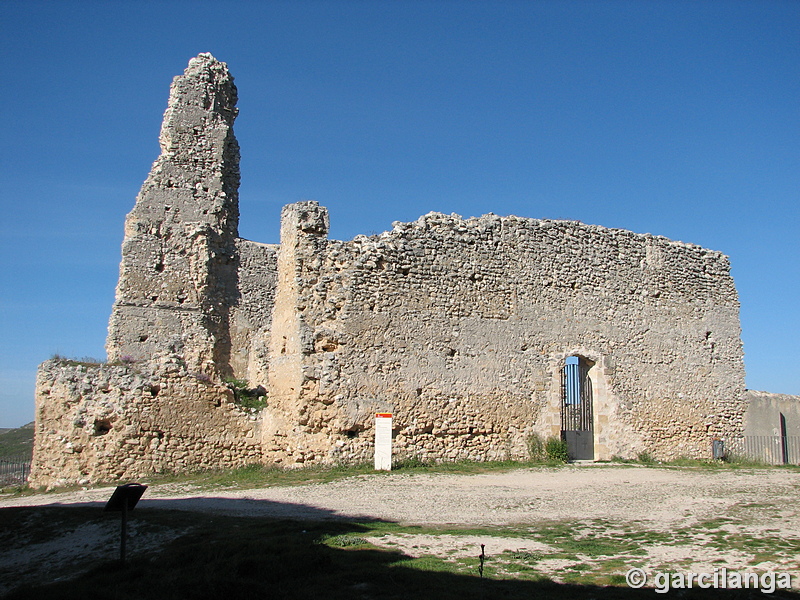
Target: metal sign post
(124, 499)
(383, 442)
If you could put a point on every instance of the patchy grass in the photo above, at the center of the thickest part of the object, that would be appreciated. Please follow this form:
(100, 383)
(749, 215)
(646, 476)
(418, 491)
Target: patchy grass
(207, 556)
(731, 463)
(260, 476)
(344, 540)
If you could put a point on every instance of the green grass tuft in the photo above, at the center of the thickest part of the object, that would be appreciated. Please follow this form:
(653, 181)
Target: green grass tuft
(344, 540)
(556, 450)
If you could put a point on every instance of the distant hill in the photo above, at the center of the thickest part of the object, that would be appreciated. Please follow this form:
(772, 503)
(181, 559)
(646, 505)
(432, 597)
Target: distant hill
(17, 443)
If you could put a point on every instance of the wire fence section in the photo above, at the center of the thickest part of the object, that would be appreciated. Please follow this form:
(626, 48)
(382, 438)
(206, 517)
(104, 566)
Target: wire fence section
(14, 471)
(767, 449)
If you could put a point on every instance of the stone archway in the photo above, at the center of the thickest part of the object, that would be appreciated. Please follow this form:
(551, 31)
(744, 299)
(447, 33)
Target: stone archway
(609, 436)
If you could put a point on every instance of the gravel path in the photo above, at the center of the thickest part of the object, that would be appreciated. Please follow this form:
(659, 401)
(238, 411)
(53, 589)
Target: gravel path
(658, 497)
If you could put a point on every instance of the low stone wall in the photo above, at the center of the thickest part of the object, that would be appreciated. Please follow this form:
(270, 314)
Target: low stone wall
(110, 423)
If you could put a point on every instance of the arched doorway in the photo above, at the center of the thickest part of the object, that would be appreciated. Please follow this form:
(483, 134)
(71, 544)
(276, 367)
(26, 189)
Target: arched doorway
(577, 411)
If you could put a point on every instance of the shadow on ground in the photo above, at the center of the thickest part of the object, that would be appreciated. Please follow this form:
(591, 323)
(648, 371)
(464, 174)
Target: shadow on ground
(179, 551)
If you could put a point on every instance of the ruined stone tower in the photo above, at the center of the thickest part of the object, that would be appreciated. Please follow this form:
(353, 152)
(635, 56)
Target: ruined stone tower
(179, 261)
(477, 333)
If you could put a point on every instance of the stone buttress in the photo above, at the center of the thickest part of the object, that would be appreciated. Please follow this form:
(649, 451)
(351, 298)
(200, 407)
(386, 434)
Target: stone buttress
(296, 424)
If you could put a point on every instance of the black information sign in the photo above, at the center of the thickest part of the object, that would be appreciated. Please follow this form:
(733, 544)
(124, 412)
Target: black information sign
(124, 499)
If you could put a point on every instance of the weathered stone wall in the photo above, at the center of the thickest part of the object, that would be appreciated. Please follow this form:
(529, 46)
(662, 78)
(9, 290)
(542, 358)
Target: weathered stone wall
(251, 315)
(460, 328)
(105, 423)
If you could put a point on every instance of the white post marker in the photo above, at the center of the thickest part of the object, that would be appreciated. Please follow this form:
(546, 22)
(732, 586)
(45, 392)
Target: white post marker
(383, 441)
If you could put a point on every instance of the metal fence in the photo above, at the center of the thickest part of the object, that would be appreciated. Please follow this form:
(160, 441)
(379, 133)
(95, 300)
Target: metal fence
(14, 471)
(768, 449)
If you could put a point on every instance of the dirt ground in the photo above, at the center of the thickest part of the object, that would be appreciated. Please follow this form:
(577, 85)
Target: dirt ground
(662, 498)
(754, 502)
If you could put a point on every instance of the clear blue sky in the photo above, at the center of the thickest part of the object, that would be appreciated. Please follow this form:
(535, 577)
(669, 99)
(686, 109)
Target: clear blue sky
(676, 118)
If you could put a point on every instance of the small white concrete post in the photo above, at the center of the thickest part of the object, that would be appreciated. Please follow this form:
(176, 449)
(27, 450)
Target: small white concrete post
(383, 442)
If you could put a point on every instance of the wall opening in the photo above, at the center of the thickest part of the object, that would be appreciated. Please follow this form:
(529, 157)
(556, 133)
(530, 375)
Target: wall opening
(577, 410)
(101, 427)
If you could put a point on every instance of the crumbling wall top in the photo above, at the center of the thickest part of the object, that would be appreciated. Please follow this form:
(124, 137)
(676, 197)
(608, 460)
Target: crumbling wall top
(206, 88)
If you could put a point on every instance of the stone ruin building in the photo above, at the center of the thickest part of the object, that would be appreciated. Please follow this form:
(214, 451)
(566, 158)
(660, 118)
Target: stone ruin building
(475, 333)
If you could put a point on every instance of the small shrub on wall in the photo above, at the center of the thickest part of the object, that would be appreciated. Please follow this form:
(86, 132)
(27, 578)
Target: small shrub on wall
(246, 397)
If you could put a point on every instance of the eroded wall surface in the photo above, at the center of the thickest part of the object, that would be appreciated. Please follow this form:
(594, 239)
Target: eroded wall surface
(251, 316)
(460, 327)
(108, 423)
